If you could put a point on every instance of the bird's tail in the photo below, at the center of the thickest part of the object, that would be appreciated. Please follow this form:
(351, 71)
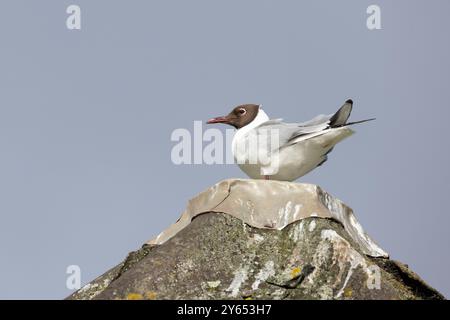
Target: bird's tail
(339, 119)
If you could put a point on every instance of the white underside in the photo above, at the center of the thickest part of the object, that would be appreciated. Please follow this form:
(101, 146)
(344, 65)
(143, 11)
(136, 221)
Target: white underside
(293, 161)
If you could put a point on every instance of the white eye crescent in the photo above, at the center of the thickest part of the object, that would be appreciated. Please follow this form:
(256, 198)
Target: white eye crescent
(242, 111)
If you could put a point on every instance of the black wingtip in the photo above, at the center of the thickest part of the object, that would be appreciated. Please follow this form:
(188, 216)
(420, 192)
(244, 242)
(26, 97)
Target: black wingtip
(349, 101)
(360, 121)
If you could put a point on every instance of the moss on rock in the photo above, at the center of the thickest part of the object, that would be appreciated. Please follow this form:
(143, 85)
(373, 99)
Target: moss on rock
(219, 257)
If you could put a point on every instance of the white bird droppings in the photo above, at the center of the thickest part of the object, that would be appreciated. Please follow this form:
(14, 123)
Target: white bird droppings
(312, 226)
(263, 274)
(239, 278)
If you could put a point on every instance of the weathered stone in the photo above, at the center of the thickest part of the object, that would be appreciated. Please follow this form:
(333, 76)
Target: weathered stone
(272, 205)
(218, 256)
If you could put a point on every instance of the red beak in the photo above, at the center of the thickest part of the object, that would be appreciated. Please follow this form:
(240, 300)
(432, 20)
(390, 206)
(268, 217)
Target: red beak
(218, 120)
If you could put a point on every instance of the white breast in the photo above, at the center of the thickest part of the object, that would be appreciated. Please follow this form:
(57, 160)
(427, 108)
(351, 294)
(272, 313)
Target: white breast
(240, 133)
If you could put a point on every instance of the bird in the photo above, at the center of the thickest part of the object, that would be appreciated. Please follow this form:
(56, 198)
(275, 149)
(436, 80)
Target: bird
(275, 150)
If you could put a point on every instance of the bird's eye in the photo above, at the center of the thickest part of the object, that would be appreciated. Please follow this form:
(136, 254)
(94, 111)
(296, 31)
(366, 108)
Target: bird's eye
(242, 111)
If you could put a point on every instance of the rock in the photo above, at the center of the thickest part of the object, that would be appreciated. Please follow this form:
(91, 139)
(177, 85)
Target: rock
(254, 239)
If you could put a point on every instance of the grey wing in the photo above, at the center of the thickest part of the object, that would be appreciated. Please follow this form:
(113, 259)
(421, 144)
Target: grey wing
(319, 123)
(287, 132)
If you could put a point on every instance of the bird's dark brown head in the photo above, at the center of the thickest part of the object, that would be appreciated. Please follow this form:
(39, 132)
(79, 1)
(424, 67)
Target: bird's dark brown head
(239, 116)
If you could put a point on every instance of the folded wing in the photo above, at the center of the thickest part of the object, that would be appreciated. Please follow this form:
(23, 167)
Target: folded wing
(294, 132)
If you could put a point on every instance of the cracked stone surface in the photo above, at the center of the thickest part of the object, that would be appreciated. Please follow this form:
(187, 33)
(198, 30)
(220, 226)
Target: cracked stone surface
(271, 204)
(218, 256)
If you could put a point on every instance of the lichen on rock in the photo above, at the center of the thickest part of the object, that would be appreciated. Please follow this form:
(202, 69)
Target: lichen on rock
(219, 256)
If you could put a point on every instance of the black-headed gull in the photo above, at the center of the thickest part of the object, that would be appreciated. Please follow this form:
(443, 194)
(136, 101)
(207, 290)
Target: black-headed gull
(272, 149)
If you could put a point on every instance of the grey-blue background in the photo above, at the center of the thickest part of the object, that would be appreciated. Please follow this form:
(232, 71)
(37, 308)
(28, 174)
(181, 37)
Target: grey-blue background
(86, 118)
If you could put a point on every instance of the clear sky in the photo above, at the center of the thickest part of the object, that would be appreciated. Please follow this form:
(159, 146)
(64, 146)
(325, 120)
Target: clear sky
(86, 118)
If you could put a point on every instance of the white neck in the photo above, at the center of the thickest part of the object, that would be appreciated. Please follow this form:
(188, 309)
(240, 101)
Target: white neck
(260, 118)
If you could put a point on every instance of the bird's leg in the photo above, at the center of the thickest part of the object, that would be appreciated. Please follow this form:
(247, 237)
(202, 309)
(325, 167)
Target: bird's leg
(266, 177)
